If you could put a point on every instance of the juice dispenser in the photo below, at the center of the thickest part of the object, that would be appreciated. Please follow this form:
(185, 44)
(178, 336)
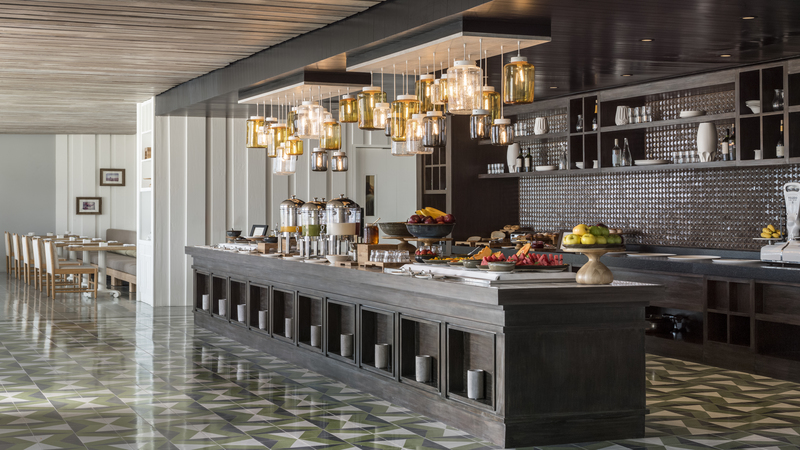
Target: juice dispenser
(343, 217)
(289, 223)
(312, 223)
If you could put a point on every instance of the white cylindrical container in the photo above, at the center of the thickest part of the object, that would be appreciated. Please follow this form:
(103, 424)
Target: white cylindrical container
(223, 307)
(241, 371)
(423, 368)
(206, 302)
(475, 379)
(262, 320)
(706, 140)
(316, 335)
(346, 345)
(382, 352)
(287, 327)
(241, 311)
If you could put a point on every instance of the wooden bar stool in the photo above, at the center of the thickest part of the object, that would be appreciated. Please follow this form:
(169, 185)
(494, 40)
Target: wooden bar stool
(54, 270)
(10, 265)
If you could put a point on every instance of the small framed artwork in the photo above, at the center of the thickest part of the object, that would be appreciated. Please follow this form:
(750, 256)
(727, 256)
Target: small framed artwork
(258, 230)
(88, 205)
(112, 177)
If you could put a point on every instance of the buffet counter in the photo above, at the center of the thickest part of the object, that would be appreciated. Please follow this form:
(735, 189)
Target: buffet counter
(561, 362)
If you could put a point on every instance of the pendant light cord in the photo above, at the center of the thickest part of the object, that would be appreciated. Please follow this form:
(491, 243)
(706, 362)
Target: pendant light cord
(502, 100)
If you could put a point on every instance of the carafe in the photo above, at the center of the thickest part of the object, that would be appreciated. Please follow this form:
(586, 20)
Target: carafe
(777, 100)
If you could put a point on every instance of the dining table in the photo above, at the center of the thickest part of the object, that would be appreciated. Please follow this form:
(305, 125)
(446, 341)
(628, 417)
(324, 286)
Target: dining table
(95, 246)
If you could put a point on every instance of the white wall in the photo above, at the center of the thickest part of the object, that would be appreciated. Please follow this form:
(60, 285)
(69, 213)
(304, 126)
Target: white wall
(207, 181)
(78, 160)
(27, 185)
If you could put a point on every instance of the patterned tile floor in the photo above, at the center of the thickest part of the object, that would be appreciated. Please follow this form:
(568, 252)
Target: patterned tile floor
(120, 375)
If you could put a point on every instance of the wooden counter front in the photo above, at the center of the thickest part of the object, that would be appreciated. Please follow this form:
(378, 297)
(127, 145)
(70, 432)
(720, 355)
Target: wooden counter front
(564, 362)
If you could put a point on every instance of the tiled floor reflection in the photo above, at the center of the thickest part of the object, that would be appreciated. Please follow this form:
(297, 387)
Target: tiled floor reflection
(119, 375)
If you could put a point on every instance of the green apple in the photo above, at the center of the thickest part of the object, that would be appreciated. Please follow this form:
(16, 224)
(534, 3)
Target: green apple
(604, 230)
(602, 240)
(614, 239)
(572, 239)
(596, 231)
(588, 239)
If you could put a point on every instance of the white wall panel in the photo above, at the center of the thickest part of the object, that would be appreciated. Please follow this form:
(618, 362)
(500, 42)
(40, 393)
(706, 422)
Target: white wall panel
(216, 176)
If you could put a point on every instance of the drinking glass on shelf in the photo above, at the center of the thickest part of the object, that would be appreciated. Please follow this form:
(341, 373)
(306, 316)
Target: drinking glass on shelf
(630, 115)
(675, 158)
(649, 113)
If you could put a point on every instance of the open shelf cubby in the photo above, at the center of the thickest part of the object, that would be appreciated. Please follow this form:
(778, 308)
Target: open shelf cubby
(340, 319)
(749, 82)
(717, 325)
(219, 290)
(717, 294)
(739, 297)
(779, 340)
(419, 337)
(282, 309)
(237, 296)
(309, 313)
(202, 286)
(259, 301)
(377, 327)
(740, 330)
(779, 301)
(469, 350)
(771, 79)
(794, 134)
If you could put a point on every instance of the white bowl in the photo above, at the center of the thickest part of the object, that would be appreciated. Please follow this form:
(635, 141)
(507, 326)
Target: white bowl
(338, 258)
(753, 103)
(755, 109)
(579, 165)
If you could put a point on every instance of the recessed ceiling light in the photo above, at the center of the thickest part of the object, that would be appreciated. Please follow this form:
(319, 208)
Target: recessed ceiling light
(627, 74)
(725, 56)
(648, 40)
(553, 87)
(748, 17)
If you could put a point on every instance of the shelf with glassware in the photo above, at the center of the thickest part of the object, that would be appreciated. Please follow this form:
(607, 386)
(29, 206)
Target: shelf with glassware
(758, 134)
(533, 137)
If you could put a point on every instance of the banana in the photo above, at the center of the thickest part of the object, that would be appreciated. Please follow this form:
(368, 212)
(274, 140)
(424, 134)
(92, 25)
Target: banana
(776, 235)
(771, 228)
(766, 235)
(435, 213)
(766, 230)
(422, 213)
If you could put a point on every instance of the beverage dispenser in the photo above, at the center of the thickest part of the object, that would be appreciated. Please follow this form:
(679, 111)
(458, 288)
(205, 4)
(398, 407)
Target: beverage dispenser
(289, 223)
(343, 217)
(312, 223)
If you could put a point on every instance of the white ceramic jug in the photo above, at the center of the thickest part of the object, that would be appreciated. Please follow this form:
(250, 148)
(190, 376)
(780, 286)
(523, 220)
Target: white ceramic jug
(540, 126)
(706, 141)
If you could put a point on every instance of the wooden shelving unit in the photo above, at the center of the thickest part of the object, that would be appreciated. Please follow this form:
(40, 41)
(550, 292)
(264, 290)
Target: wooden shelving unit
(753, 131)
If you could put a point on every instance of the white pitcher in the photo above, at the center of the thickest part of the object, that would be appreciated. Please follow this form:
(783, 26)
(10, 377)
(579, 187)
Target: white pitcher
(706, 141)
(540, 126)
(622, 115)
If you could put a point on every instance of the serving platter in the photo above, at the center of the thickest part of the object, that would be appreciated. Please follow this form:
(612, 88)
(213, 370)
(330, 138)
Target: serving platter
(650, 162)
(736, 261)
(694, 257)
(653, 255)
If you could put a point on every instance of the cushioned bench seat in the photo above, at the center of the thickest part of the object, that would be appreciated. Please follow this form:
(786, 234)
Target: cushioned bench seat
(118, 267)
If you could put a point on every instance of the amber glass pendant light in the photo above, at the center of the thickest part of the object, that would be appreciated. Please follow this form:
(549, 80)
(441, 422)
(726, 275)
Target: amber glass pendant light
(255, 124)
(348, 108)
(331, 135)
(402, 110)
(367, 99)
(518, 80)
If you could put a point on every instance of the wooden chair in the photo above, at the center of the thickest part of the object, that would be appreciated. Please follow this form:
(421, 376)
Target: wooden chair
(55, 270)
(10, 265)
(40, 264)
(27, 260)
(17, 255)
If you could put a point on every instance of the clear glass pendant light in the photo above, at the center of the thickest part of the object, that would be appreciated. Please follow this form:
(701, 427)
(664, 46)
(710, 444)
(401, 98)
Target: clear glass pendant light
(434, 131)
(502, 132)
(414, 134)
(319, 160)
(339, 162)
(464, 81)
(380, 115)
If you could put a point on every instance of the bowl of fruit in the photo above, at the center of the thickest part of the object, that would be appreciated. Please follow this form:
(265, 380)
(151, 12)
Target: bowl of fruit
(597, 236)
(430, 223)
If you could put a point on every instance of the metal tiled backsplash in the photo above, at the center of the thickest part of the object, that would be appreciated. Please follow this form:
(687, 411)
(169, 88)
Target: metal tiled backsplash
(660, 142)
(669, 106)
(545, 152)
(722, 208)
(556, 121)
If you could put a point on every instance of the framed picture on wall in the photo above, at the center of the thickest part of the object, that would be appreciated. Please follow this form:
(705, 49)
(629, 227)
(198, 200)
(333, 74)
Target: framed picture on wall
(112, 177)
(88, 205)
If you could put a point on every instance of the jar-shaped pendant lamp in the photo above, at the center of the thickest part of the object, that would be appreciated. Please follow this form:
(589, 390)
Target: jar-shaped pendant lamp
(279, 135)
(414, 134)
(425, 93)
(253, 125)
(480, 124)
(518, 81)
(399, 148)
(402, 110)
(294, 146)
(434, 130)
(367, 99)
(464, 81)
(331, 137)
(339, 162)
(348, 109)
(502, 132)
(319, 160)
(380, 115)
(491, 102)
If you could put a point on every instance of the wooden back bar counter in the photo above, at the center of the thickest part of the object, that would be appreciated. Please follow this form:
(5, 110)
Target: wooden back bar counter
(563, 362)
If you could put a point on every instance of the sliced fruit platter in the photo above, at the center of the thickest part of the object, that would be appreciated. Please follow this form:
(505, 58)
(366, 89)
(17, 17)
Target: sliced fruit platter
(596, 236)
(522, 259)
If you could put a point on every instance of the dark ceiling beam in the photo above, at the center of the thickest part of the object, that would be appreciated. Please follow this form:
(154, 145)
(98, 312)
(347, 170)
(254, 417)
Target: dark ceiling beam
(380, 22)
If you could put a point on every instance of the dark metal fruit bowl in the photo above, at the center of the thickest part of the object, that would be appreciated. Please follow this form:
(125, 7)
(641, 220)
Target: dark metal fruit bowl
(394, 229)
(430, 231)
(233, 233)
